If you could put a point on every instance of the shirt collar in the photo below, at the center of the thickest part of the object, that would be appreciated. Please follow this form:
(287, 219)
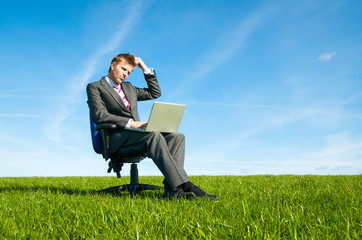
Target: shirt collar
(111, 82)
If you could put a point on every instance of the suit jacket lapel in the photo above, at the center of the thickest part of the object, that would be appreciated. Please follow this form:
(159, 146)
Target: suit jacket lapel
(113, 93)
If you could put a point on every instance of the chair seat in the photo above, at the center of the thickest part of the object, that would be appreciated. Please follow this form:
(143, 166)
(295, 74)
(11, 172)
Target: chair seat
(128, 155)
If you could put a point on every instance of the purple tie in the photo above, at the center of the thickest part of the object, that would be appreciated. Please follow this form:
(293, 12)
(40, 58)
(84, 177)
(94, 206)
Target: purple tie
(121, 94)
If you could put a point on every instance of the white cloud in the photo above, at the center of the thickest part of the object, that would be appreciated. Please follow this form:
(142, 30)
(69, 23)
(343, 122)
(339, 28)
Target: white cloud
(53, 128)
(233, 105)
(326, 56)
(229, 44)
(31, 97)
(281, 116)
(342, 153)
(19, 115)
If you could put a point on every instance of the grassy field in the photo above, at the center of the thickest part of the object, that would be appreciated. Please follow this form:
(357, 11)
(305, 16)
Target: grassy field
(250, 207)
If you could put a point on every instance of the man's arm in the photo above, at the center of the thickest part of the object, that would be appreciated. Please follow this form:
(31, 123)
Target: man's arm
(98, 108)
(153, 89)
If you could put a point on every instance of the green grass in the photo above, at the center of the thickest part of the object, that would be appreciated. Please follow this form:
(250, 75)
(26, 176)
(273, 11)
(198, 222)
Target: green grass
(250, 207)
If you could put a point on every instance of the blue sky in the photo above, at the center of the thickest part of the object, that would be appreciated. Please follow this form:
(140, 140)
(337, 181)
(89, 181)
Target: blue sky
(270, 87)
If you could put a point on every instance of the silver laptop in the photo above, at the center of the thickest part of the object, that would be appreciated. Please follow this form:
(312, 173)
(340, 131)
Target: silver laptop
(164, 117)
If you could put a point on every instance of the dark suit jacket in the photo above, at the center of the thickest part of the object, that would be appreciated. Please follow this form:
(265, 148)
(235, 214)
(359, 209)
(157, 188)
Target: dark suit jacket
(106, 105)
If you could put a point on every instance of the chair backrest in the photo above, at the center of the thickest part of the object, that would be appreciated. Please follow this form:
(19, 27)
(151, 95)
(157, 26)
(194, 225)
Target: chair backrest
(96, 136)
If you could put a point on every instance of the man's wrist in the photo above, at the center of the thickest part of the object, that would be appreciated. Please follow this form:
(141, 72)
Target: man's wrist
(149, 71)
(129, 122)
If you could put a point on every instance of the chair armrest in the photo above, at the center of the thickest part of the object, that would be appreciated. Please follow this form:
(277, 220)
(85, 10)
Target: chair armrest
(105, 126)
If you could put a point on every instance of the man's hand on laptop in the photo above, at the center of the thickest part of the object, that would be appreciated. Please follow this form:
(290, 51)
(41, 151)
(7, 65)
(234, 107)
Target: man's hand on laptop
(137, 124)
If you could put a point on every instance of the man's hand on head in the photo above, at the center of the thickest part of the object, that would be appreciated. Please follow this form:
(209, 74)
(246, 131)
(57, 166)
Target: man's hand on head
(140, 63)
(137, 124)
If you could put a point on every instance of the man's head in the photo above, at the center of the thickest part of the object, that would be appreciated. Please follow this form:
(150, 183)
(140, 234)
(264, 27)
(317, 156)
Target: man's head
(121, 67)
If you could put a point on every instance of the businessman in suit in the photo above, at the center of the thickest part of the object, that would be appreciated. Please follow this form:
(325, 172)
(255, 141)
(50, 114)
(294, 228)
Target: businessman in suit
(111, 100)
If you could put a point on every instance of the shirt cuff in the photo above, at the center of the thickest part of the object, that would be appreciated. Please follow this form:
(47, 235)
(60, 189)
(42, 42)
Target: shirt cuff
(129, 122)
(149, 71)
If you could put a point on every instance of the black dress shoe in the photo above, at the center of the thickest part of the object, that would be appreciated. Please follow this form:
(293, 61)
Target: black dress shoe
(177, 193)
(201, 193)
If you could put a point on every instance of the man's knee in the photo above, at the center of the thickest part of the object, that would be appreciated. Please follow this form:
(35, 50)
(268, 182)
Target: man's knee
(155, 136)
(170, 136)
(180, 136)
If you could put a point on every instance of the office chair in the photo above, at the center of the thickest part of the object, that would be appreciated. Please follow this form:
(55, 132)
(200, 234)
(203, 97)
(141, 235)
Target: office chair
(100, 141)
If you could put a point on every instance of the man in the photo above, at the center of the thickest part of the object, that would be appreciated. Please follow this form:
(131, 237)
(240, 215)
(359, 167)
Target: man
(111, 100)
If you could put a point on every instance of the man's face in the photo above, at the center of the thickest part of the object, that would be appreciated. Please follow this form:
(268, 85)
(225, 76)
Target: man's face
(120, 71)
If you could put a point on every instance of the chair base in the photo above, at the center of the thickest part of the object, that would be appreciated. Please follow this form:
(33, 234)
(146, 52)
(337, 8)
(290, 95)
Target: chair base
(131, 188)
(134, 185)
